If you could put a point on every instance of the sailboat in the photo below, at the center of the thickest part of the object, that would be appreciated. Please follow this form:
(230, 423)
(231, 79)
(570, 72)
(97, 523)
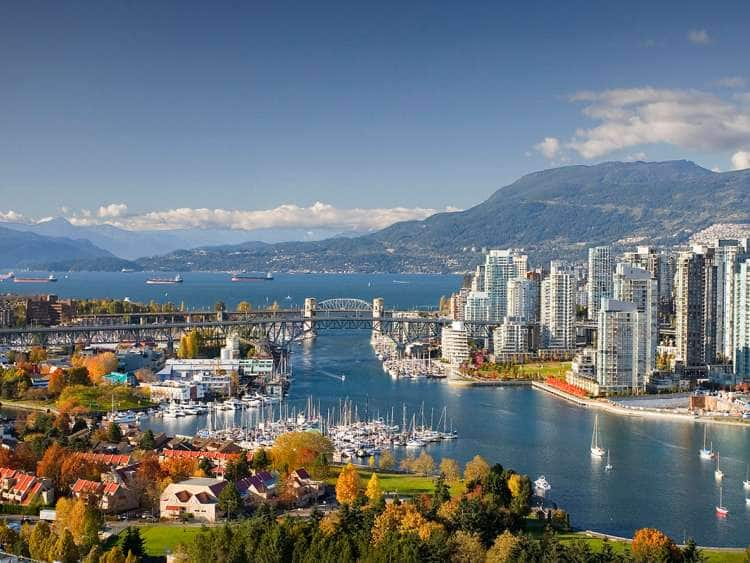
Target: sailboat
(746, 482)
(706, 453)
(596, 449)
(721, 510)
(609, 466)
(719, 474)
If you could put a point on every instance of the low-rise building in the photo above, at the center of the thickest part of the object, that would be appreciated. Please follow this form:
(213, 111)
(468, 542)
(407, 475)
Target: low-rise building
(197, 498)
(110, 498)
(304, 488)
(260, 486)
(20, 487)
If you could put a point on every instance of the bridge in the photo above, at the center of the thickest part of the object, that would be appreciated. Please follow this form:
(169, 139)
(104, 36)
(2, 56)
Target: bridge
(280, 327)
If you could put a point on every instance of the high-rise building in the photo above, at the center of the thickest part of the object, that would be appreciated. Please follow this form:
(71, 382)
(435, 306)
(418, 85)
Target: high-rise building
(728, 253)
(501, 266)
(477, 280)
(458, 304)
(639, 286)
(558, 309)
(695, 307)
(618, 366)
(601, 267)
(454, 343)
(661, 266)
(741, 332)
(477, 310)
(512, 339)
(523, 297)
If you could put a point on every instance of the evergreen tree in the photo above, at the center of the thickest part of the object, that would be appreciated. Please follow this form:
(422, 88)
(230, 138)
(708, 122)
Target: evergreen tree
(132, 542)
(65, 549)
(114, 432)
(230, 500)
(147, 440)
(261, 460)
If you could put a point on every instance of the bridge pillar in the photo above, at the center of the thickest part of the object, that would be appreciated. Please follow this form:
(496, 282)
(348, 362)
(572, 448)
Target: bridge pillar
(378, 310)
(308, 326)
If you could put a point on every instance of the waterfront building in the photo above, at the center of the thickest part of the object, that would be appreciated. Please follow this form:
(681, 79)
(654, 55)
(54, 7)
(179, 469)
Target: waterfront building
(501, 266)
(558, 309)
(618, 365)
(601, 267)
(741, 333)
(695, 307)
(523, 297)
(477, 280)
(728, 254)
(458, 304)
(454, 343)
(512, 339)
(660, 266)
(639, 286)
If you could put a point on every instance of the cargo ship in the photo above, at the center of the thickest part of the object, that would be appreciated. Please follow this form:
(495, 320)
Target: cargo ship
(49, 279)
(165, 281)
(242, 277)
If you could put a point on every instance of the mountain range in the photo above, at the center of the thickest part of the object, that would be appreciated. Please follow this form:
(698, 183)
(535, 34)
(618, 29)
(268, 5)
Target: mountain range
(552, 213)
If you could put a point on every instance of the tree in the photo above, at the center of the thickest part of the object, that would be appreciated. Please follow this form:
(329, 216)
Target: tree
(146, 375)
(476, 469)
(244, 307)
(230, 499)
(94, 555)
(520, 490)
(41, 541)
(301, 449)
(131, 558)
(114, 432)
(466, 548)
(424, 463)
(502, 550)
(147, 443)
(206, 467)
(371, 461)
(51, 464)
(65, 549)
(83, 521)
(650, 544)
(132, 542)
(347, 485)
(450, 469)
(100, 365)
(56, 382)
(114, 555)
(77, 376)
(374, 493)
(179, 468)
(387, 461)
(691, 553)
(37, 354)
(261, 459)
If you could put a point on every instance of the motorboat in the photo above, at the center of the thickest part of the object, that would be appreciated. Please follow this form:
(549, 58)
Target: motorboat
(596, 449)
(541, 484)
(173, 411)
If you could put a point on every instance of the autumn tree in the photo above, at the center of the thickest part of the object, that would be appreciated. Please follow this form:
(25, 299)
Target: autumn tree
(37, 354)
(373, 492)
(466, 547)
(347, 485)
(476, 469)
(301, 449)
(65, 549)
(179, 468)
(50, 466)
(650, 544)
(145, 375)
(41, 541)
(244, 307)
(502, 550)
(100, 365)
(386, 461)
(56, 382)
(450, 470)
(424, 464)
(74, 466)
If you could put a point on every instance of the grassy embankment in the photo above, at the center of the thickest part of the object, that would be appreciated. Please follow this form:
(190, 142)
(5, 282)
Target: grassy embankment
(531, 370)
(404, 484)
(99, 398)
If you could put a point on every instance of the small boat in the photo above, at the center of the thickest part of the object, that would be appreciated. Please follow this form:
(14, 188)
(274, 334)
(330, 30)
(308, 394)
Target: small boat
(609, 466)
(721, 510)
(8, 276)
(706, 453)
(596, 449)
(719, 474)
(165, 281)
(173, 411)
(541, 484)
(746, 482)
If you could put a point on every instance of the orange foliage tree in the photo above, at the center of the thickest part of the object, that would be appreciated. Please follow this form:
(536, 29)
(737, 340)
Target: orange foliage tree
(97, 366)
(650, 544)
(301, 449)
(56, 382)
(50, 466)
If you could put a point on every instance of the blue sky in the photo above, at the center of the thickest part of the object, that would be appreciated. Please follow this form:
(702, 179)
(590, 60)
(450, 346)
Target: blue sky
(139, 113)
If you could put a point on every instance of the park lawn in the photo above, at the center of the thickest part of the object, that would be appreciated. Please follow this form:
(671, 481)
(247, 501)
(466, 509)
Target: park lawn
(405, 484)
(160, 537)
(531, 370)
(544, 369)
(98, 398)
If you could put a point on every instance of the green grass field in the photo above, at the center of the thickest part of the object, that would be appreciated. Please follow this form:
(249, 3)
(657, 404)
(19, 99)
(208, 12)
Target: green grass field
(401, 483)
(531, 370)
(157, 538)
(99, 398)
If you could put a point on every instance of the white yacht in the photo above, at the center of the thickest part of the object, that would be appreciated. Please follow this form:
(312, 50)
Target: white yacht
(542, 485)
(596, 449)
(719, 474)
(746, 482)
(173, 411)
(609, 466)
(706, 453)
(232, 404)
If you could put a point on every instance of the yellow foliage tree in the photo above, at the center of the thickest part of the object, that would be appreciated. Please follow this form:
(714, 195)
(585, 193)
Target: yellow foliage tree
(301, 449)
(476, 469)
(387, 521)
(347, 485)
(374, 493)
(502, 550)
(650, 544)
(450, 469)
(514, 484)
(100, 365)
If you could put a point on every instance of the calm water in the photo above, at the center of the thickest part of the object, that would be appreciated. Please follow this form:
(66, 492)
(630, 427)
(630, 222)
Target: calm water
(658, 479)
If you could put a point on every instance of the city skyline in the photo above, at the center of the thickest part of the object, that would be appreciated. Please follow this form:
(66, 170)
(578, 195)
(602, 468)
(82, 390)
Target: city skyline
(262, 112)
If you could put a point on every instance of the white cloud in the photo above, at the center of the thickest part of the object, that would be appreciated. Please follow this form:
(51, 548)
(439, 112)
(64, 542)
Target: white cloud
(741, 160)
(318, 215)
(699, 37)
(112, 210)
(715, 169)
(549, 147)
(689, 119)
(731, 82)
(635, 157)
(11, 216)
